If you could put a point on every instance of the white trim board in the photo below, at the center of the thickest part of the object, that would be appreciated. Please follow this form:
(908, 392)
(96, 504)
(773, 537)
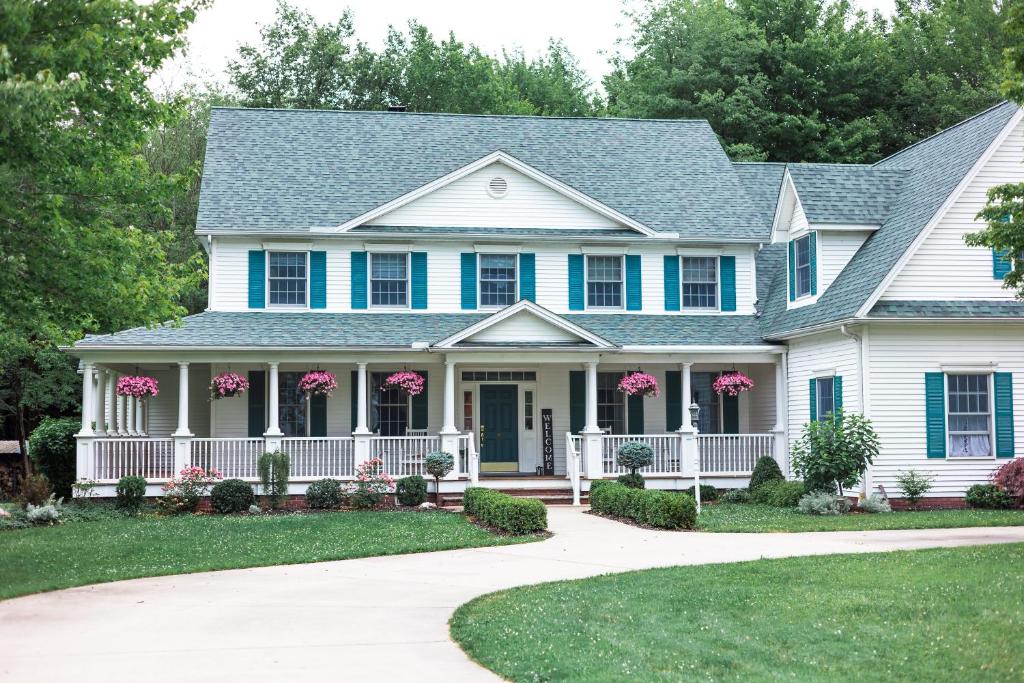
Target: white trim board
(528, 307)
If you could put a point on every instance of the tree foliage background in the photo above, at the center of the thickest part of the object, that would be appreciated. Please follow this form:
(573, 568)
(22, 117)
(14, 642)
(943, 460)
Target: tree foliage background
(99, 176)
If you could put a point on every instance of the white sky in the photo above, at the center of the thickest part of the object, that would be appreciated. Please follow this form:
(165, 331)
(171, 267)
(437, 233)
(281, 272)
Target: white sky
(590, 28)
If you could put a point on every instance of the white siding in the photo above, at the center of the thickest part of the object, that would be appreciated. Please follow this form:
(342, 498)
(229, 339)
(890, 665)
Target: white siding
(835, 249)
(466, 203)
(817, 356)
(163, 410)
(230, 284)
(944, 267)
(899, 357)
(523, 327)
(798, 223)
(760, 401)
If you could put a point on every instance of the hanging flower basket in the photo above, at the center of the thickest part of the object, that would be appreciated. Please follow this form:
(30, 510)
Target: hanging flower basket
(639, 384)
(137, 386)
(318, 383)
(409, 383)
(733, 383)
(228, 385)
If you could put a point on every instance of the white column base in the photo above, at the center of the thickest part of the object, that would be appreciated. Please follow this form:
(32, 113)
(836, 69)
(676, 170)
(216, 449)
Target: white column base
(84, 461)
(361, 447)
(689, 455)
(450, 444)
(182, 452)
(593, 464)
(272, 441)
(781, 449)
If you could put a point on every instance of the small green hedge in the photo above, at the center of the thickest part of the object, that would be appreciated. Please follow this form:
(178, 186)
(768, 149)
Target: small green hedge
(505, 512)
(780, 494)
(231, 495)
(662, 509)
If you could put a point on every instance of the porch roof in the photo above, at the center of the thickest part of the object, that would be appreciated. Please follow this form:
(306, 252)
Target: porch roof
(223, 329)
(906, 309)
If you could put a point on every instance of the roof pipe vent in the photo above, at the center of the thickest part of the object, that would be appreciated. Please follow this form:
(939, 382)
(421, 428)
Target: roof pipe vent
(396, 107)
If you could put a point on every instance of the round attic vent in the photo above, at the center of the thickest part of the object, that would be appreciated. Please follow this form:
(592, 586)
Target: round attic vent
(497, 187)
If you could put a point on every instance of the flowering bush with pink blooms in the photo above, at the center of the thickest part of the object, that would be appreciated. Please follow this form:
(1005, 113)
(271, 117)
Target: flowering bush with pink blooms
(410, 383)
(318, 383)
(732, 383)
(182, 493)
(371, 484)
(639, 384)
(228, 385)
(137, 386)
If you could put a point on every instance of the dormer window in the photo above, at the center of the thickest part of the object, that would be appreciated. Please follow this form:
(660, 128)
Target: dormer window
(286, 278)
(802, 265)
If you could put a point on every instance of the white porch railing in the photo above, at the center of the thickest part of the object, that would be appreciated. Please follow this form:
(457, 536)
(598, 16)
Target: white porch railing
(573, 447)
(116, 458)
(733, 454)
(317, 457)
(233, 458)
(470, 460)
(665, 446)
(403, 455)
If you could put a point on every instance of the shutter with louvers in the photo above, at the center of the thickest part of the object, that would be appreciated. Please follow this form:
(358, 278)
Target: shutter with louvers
(791, 262)
(257, 279)
(257, 408)
(671, 283)
(634, 284)
(468, 264)
(1001, 263)
(358, 280)
(837, 394)
(673, 400)
(813, 390)
(528, 277)
(1004, 414)
(418, 409)
(635, 414)
(813, 249)
(318, 416)
(727, 272)
(419, 279)
(318, 279)
(577, 401)
(354, 397)
(935, 413)
(730, 414)
(576, 282)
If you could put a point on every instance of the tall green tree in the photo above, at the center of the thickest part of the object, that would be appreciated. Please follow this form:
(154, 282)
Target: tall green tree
(78, 252)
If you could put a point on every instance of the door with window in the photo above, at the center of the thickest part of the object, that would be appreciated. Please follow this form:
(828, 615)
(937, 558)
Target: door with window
(499, 428)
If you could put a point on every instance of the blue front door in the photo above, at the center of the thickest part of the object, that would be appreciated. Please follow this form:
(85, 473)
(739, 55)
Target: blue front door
(499, 428)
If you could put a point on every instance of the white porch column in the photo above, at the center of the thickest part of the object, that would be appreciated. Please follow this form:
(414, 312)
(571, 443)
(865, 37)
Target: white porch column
(140, 418)
(273, 434)
(781, 410)
(122, 414)
(110, 404)
(182, 436)
(689, 446)
(361, 434)
(686, 425)
(592, 432)
(99, 402)
(85, 436)
(129, 416)
(449, 431)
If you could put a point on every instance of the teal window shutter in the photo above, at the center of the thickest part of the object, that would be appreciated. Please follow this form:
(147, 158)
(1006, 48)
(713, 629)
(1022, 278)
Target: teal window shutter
(575, 282)
(257, 397)
(419, 281)
(727, 273)
(468, 281)
(673, 400)
(837, 394)
(935, 413)
(318, 279)
(730, 414)
(634, 286)
(354, 398)
(1001, 263)
(791, 261)
(1004, 414)
(318, 416)
(358, 280)
(418, 413)
(671, 283)
(813, 393)
(577, 401)
(257, 279)
(814, 262)
(528, 277)
(635, 414)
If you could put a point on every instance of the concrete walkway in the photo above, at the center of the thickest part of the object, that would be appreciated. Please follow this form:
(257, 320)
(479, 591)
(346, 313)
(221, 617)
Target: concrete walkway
(380, 619)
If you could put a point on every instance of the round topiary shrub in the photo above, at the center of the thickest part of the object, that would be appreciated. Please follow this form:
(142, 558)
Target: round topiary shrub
(231, 495)
(633, 480)
(633, 455)
(765, 470)
(988, 496)
(411, 491)
(324, 494)
(131, 491)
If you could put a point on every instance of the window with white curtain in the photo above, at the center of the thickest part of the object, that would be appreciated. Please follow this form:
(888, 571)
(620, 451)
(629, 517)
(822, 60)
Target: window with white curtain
(968, 415)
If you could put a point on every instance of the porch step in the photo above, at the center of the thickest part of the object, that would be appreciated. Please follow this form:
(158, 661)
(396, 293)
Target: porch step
(558, 496)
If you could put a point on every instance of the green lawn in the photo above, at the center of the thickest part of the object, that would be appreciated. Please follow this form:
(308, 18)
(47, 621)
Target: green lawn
(725, 517)
(927, 615)
(74, 554)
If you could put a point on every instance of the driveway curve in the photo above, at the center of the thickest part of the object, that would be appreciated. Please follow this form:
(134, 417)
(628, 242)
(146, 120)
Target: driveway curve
(378, 618)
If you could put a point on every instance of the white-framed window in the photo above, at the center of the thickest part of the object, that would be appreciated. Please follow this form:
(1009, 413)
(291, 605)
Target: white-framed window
(497, 280)
(802, 266)
(528, 410)
(709, 417)
(611, 403)
(389, 408)
(389, 280)
(824, 389)
(292, 405)
(604, 281)
(700, 282)
(969, 415)
(287, 278)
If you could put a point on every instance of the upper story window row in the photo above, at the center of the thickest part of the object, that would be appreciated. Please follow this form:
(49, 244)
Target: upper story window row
(399, 280)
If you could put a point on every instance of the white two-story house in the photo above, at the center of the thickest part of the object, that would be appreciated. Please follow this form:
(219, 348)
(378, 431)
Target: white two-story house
(523, 265)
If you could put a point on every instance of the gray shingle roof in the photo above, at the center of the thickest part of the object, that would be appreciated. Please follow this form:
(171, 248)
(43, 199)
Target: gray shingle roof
(934, 167)
(762, 182)
(948, 309)
(221, 329)
(846, 193)
(500, 232)
(290, 170)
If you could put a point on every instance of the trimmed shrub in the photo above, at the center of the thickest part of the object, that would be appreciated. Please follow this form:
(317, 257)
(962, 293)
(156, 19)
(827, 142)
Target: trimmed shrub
(411, 491)
(438, 465)
(1010, 478)
(736, 496)
(231, 495)
(765, 470)
(35, 489)
(131, 491)
(323, 494)
(708, 493)
(874, 504)
(823, 503)
(633, 455)
(662, 509)
(53, 450)
(988, 496)
(505, 512)
(632, 480)
(780, 494)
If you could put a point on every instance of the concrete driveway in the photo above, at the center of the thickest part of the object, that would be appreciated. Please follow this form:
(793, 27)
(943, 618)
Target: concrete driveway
(381, 618)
